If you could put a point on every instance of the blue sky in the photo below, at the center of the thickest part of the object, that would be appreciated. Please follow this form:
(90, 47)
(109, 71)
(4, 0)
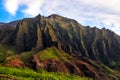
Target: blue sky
(99, 13)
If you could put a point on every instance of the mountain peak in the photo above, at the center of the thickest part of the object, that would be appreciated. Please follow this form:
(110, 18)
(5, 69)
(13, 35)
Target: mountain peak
(38, 16)
(54, 15)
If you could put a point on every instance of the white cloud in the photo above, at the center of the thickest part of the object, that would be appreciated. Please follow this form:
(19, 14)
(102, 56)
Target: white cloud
(11, 6)
(101, 13)
(32, 6)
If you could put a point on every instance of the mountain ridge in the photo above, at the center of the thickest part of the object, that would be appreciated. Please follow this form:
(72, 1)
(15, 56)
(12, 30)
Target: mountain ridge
(59, 30)
(32, 35)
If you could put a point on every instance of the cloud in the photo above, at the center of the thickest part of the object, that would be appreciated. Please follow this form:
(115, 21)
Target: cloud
(100, 13)
(11, 6)
(32, 6)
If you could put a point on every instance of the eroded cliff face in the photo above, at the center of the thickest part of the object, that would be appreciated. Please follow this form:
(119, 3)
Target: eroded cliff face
(37, 34)
(66, 34)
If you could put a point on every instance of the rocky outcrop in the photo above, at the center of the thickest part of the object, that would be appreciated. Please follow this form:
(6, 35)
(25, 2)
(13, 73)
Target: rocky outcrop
(51, 65)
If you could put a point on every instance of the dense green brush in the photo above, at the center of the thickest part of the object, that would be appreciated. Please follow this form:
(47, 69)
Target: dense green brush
(28, 74)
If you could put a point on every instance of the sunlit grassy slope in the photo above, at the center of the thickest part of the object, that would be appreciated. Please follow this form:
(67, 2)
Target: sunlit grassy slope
(53, 53)
(28, 74)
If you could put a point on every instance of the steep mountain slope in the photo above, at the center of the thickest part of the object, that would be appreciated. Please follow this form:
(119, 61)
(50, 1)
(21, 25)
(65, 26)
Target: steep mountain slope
(6, 29)
(66, 34)
(32, 36)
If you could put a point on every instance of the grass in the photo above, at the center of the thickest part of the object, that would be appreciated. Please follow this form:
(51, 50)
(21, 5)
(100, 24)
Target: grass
(53, 53)
(48, 54)
(5, 51)
(28, 74)
(26, 55)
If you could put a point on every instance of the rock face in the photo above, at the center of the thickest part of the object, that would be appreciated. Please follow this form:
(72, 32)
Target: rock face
(51, 65)
(66, 34)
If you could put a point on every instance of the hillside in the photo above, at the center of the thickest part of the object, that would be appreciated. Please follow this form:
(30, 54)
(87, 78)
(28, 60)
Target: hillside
(9, 73)
(53, 60)
(45, 42)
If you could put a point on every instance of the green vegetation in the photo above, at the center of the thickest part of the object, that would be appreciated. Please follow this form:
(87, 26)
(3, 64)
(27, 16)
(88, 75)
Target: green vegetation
(53, 53)
(115, 65)
(28, 74)
(2, 52)
(6, 51)
(2, 49)
(109, 72)
(26, 55)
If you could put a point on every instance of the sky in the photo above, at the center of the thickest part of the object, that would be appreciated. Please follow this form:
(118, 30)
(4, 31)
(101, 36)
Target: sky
(99, 13)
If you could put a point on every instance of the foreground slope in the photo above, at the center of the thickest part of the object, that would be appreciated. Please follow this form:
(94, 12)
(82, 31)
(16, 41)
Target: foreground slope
(9, 73)
(54, 60)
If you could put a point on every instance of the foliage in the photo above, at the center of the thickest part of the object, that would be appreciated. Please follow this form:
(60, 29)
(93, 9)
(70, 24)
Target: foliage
(26, 55)
(6, 51)
(53, 53)
(28, 74)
